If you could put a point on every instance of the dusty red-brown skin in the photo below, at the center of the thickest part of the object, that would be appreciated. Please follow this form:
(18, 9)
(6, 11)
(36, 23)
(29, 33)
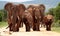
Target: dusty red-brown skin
(8, 8)
(31, 18)
(48, 22)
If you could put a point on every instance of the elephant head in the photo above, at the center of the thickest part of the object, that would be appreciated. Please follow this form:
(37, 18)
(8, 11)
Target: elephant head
(42, 10)
(21, 7)
(30, 9)
(37, 11)
(8, 7)
(42, 7)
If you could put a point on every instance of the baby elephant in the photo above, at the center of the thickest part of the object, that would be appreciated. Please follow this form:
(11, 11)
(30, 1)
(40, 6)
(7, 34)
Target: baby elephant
(48, 19)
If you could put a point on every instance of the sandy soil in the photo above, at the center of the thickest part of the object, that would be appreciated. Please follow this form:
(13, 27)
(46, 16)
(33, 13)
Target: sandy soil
(42, 32)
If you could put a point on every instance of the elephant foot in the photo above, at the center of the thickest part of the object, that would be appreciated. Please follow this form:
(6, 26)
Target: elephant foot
(17, 30)
(48, 29)
(27, 30)
(10, 30)
(37, 30)
(34, 29)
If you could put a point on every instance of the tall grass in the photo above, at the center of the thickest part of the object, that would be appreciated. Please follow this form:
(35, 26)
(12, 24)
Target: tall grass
(56, 29)
(3, 24)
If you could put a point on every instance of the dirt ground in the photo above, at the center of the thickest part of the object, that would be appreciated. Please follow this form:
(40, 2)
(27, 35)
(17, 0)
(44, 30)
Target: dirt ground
(42, 32)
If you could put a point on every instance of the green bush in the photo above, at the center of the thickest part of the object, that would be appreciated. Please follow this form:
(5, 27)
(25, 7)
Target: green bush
(0, 17)
(56, 24)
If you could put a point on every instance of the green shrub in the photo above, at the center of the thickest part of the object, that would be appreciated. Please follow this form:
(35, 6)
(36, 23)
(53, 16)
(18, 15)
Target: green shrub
(56, 24)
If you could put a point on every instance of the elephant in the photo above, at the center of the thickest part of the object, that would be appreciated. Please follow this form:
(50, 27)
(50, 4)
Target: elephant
(30, 9)
(8, 7)
(36, 14)
(20, 9)
(37, 18)
(28, 20)
(48, 20)
(42, 10)
(12, 16)
(15, 18)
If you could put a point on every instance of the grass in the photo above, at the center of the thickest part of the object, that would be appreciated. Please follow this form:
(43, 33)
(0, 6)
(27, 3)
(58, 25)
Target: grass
(56, 29)
(3, 24)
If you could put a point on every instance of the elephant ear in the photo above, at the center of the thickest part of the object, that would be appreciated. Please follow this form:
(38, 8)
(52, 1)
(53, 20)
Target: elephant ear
(41, 6)
(22, 6)
(8, 6)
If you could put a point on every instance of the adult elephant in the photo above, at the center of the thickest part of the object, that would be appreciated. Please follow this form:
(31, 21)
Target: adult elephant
(28, 20)
(42, 10)
(36, 14)
(8, 8)
(18, 16)
(48, 20)
(37, 18)
(15, 18)
(12, 17)
(31, 11)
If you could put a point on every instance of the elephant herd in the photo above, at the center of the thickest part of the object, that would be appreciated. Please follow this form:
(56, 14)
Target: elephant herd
(32, 16)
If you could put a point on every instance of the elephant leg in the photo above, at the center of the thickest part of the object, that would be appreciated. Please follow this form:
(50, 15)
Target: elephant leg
(26, 24)
(27, 27)
(16, 27)
(37, 27)
(34, 27)
(49, 27)
(46, 27)
(10, 27)
(21, 23)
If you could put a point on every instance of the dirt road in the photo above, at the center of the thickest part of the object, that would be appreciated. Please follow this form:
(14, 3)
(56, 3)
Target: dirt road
(42, 32)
